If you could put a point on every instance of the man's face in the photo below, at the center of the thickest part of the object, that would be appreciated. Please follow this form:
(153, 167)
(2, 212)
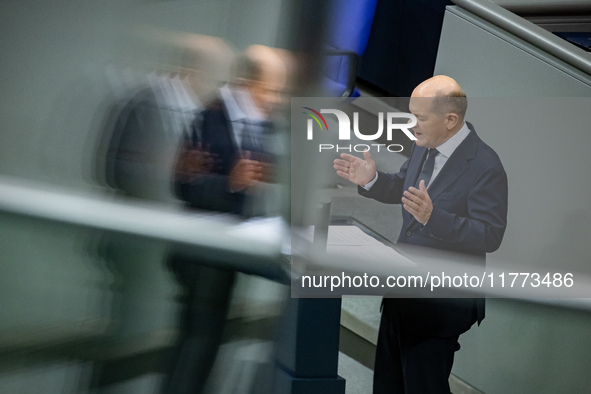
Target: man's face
(430, 130)
(267, 93)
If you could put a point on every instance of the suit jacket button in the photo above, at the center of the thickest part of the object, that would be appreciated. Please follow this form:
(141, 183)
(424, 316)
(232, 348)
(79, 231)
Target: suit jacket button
(408, 233)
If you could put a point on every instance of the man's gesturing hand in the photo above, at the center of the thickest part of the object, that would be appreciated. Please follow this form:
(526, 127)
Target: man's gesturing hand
(418, 203)
(355, 169)
(244, 174)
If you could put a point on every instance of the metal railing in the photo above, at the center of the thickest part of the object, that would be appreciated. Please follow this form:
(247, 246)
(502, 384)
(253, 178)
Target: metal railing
(248, 246)
(529, 32)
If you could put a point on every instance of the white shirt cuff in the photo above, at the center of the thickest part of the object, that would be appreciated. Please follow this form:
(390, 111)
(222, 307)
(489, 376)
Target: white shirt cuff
(370, 184)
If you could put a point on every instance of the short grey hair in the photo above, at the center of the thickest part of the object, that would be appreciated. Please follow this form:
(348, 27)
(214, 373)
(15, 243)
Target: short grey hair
(453, 101)
(247, 69)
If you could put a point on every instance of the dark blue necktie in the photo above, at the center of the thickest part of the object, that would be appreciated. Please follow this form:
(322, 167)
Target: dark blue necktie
(428, 166)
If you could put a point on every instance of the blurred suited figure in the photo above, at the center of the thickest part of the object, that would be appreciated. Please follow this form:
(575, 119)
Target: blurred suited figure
(237, 130)
(233, 137)
(150, 126)
(140, 150)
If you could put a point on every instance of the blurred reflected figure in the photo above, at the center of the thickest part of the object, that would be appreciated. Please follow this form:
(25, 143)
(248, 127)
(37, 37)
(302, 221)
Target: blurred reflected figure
(228, 156)
(149, 128)
(236, 131)
(140, 161)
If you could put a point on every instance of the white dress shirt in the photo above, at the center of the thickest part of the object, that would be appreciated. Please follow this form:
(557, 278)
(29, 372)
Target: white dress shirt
(236, 115)
(445, 151)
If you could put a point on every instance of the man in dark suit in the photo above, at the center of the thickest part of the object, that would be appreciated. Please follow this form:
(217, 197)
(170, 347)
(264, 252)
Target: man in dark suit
(236, 131)
(219, 169)
(453, 191)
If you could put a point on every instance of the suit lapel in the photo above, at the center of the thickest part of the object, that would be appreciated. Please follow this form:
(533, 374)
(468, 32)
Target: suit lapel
(228, 128)
(455, 166)
(417, 157)
(415, 166)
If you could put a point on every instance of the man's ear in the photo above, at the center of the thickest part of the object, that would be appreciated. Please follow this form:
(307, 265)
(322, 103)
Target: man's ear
(451, 120)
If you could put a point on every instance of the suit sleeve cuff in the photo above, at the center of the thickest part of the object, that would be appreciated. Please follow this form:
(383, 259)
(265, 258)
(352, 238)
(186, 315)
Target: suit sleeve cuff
(370, 184)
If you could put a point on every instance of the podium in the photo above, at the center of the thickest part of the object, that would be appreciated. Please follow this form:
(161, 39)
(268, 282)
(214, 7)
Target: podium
(308, 344)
